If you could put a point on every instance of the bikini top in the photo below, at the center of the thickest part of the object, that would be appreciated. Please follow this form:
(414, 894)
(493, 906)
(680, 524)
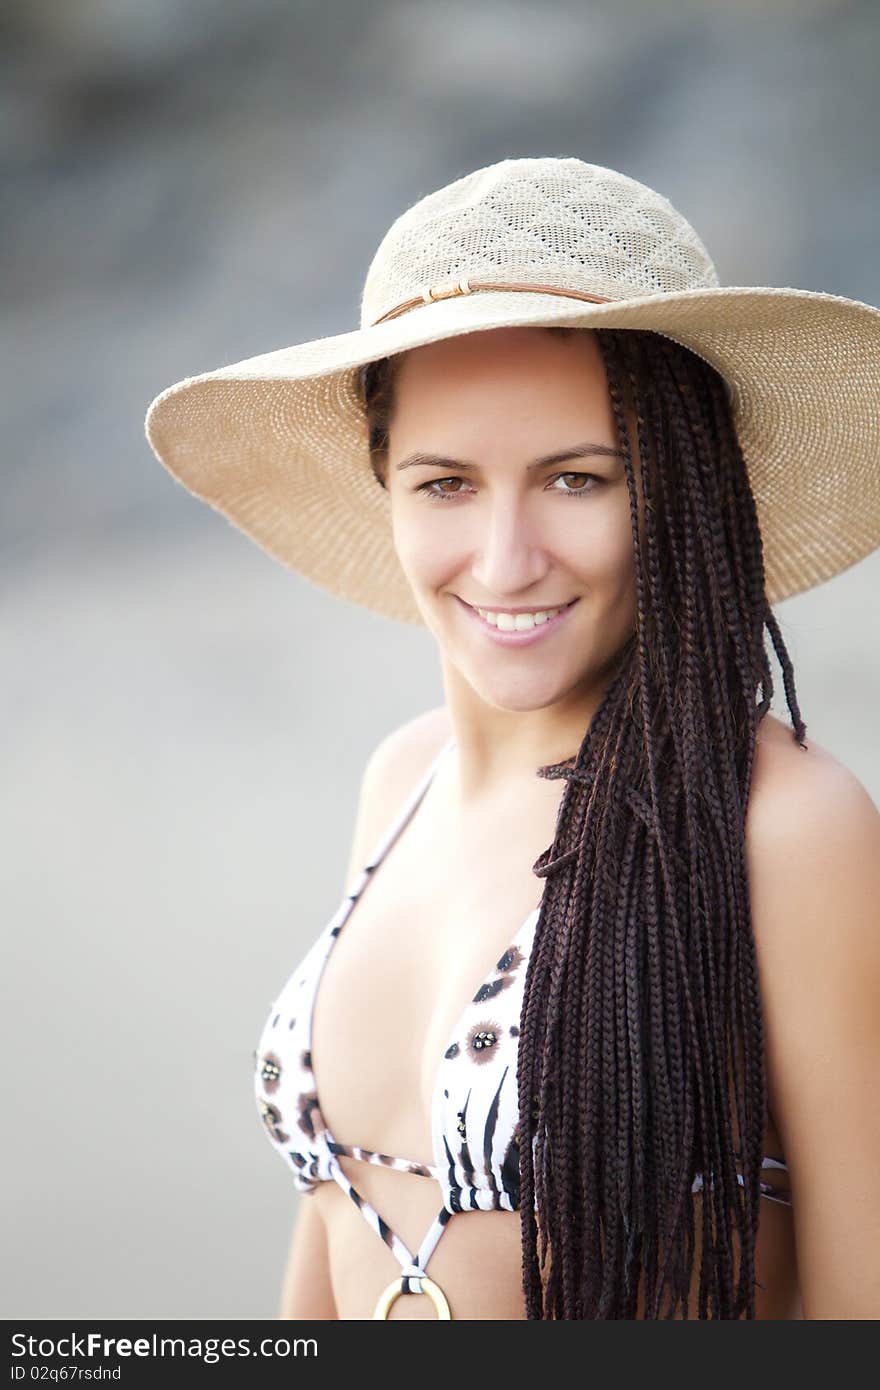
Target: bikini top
(474, 1114)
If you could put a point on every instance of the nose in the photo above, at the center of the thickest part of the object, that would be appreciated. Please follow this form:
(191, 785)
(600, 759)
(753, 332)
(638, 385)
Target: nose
(509, 556)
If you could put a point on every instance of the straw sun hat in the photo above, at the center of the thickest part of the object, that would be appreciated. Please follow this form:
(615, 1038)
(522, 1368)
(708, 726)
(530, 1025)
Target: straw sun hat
(278, 443)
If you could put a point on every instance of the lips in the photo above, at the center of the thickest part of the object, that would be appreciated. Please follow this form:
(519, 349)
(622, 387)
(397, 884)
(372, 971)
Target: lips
(518, 638)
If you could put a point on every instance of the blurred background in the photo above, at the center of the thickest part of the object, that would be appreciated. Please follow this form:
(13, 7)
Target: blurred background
(187, 183)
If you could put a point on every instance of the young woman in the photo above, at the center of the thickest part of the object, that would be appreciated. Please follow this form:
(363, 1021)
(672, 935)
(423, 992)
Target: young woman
(594, 1031)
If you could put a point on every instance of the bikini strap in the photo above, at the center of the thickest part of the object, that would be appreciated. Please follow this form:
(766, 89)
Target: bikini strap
(400, 820)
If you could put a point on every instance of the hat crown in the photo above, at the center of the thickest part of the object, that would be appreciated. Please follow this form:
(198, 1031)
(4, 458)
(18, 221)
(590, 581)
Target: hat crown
(558, 222)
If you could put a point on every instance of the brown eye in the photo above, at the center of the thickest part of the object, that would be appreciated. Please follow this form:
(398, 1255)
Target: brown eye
(428, 489)
(589, 483)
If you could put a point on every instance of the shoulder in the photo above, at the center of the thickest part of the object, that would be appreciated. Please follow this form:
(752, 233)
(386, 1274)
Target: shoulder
(812, 845)
(400, 758)
(805, 806)
(392, 770)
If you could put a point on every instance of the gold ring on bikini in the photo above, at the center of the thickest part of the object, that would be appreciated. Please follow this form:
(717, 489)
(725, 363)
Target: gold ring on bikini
(404, 1285)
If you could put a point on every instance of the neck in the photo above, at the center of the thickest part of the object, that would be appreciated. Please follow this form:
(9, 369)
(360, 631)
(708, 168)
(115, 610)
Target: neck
(499, 749)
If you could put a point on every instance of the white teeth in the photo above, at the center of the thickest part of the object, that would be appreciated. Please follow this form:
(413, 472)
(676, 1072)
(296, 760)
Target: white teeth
(517, 622)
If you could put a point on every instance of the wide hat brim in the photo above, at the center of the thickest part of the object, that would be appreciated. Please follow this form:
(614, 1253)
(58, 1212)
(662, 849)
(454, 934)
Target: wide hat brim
(278, 443)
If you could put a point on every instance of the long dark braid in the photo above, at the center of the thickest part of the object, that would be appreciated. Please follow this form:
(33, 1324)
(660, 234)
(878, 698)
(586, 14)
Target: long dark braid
(641, 1005)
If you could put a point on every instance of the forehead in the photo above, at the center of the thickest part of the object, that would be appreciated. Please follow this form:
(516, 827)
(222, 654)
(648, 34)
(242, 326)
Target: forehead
(512, 391)
(519, 369)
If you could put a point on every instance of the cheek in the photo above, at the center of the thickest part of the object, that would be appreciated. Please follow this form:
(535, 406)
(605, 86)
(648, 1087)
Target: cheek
(423, 548)
(600, 550)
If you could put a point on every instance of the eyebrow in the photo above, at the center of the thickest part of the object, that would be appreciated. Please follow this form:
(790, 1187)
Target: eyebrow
(577, 451)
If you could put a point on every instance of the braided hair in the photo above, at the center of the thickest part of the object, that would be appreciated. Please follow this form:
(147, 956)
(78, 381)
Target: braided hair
(641, 1055)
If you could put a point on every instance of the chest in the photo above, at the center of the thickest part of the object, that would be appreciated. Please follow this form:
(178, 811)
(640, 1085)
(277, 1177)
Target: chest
(438, 937)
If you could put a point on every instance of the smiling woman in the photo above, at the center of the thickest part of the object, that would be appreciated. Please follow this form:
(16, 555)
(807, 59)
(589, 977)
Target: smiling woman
(588, 479)
(499, 407)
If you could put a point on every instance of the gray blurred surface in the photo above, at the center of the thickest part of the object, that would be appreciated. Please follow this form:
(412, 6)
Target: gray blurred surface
(185, 722)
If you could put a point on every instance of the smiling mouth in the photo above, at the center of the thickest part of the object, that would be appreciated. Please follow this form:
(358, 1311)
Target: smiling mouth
(518, 625)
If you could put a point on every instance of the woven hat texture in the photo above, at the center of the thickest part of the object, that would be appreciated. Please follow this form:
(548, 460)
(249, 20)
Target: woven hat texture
(278, 443)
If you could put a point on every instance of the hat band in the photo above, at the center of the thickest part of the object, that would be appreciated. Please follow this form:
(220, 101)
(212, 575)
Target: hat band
(456, 287)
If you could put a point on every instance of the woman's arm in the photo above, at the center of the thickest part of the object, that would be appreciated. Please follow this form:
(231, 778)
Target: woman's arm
(814, 872)
(306, 1290)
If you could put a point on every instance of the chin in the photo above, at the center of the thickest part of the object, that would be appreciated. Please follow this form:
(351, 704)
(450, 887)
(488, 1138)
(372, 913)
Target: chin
(516, 697)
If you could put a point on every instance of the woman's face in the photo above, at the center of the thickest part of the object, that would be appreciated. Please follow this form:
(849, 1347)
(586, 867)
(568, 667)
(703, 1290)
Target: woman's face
(508, 494)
